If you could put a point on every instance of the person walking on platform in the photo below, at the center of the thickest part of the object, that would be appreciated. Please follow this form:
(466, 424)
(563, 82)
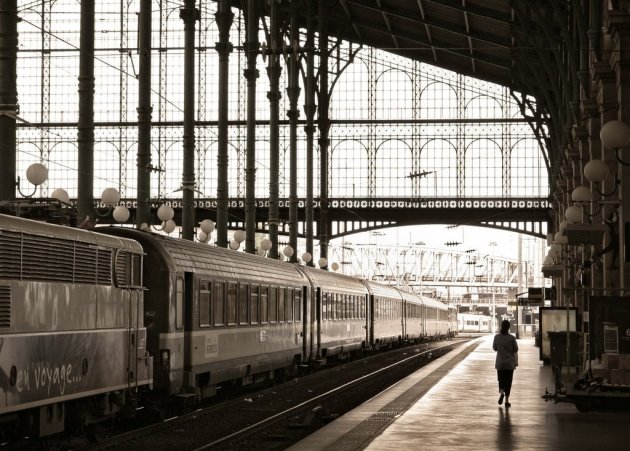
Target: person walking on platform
(507, 360)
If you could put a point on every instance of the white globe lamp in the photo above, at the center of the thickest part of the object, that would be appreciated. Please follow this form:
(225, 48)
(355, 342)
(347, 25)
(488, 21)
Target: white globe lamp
(110, 196)
(121, 214)
(169, 226)
(165, 213)
(234, 245)
(581, 194)
(207, 226)
(615, 134)
(596, 171)
(61, 195)
(239, 236)
(266, 244)
(288, 251)
(37, 174)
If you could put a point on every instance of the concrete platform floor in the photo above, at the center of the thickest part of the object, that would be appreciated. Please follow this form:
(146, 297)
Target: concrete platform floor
(460, 412)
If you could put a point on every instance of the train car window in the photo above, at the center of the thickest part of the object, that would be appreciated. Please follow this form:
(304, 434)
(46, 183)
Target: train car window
(349, 312)
(340, 313)
(324, 304)
(231, 304)
(331, 306)
(332, 298)
(218, 300)
(360, 308)
(243, 304)
(136, 270)
(297, 306)
(342, 306)
(254, 304)
(288, 305)
(281, 301)
(273, 304)
(204, 304)
(264, 304)
(179, 303)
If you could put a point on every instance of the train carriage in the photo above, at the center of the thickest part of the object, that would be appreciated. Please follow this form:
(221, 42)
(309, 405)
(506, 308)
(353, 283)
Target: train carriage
(386, 322)
(71, 328)
(413, 317)
(435, 317)
(218, 315)
(452, 320)
(342, 317)
(475, 323)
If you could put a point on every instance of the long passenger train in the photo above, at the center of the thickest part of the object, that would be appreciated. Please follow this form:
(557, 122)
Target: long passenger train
(94, 323)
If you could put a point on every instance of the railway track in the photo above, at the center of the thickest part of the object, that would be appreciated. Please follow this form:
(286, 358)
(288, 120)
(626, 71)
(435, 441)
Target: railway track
(277, 417)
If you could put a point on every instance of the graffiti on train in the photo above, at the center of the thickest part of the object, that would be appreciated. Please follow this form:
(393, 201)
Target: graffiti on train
(52, 377)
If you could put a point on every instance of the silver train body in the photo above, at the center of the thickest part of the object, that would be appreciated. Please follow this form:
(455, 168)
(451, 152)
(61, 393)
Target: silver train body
(72, 339)
(215, 315)
(91, 320)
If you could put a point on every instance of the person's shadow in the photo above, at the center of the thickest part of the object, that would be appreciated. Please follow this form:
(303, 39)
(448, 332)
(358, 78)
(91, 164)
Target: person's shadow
(504, 429)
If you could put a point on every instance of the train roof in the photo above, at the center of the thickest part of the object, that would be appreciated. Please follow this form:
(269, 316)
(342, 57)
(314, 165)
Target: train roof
(411, 297)
(321, 277)
(430, 302)
(181, 255)
(60, 232)
(378, 289)
(416, 298)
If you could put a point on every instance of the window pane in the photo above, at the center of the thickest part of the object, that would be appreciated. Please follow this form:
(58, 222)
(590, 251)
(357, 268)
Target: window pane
(273, 304)
(297, 306)
(136, 270)
(231, 304)
(204, 304)
(179, 299)
(217, 303)
(243, 302)
(253, 304)
(288, 306)
(281, 300)
(264, 299)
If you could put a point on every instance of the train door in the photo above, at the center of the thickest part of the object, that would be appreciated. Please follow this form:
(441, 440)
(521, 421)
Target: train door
(371, 314)
(403, 318)
(133, 326)
(317, 321)
(188, 315)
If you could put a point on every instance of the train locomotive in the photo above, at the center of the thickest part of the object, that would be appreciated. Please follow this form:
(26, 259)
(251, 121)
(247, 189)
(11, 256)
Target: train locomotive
(93, 323)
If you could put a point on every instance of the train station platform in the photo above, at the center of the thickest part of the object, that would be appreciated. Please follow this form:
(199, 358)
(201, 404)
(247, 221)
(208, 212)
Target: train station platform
(451, 404)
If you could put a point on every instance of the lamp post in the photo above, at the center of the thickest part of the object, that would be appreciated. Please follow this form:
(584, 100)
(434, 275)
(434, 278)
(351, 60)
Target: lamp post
(493, 244)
